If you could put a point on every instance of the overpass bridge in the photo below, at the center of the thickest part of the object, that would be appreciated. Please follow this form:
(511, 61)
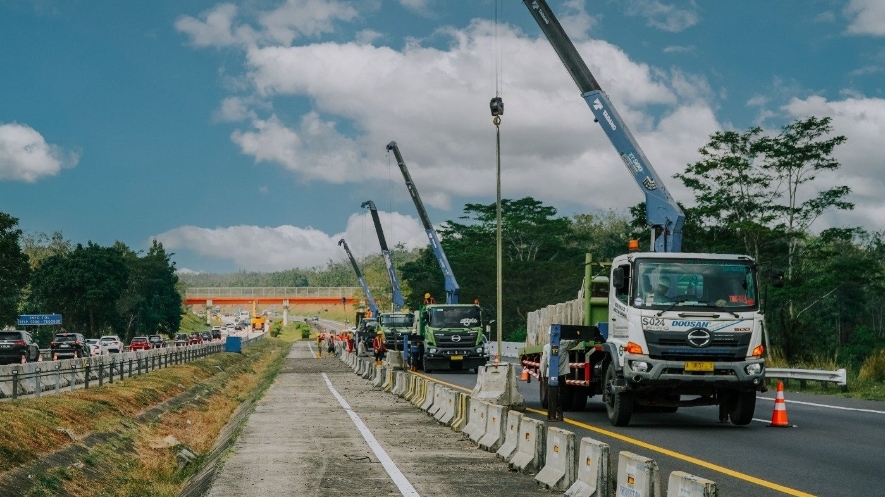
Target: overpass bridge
(285, 296)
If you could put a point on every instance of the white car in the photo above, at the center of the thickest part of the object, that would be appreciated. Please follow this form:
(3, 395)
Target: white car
(111, 344)
(94, 346)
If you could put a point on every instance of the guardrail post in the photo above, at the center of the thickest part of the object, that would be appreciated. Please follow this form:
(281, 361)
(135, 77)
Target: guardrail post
(130, 367)
(121, 369)
(101, 373)
(57, 378)
(14, 384)
(88, 372)
(37, 386)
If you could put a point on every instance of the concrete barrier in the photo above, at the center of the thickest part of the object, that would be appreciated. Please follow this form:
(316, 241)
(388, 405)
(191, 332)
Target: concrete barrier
(560, 464)
(413, 384)
(511, 436)
(594, 470)
(393, 359)
(681, 484)
(637, 475)
(495, 426)
(462, 409)
(437, 400)
(529, 456)
(388, 381)
(496, 384)
(370, 371)
(379, 377)
(429, 389)
(446, 411)
(420, 391)
(451, 407)
(479, 415)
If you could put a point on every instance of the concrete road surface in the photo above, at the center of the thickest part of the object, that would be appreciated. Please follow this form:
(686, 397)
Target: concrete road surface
(321, 430)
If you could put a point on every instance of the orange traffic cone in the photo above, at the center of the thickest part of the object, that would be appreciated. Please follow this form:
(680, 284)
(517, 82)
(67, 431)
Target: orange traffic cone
(779, 416)
(525, 375)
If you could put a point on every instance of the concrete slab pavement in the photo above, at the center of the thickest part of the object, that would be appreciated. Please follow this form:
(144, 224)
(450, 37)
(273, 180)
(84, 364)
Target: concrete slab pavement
(321, 430)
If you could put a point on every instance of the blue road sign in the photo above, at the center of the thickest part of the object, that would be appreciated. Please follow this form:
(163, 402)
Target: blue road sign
(39, 319)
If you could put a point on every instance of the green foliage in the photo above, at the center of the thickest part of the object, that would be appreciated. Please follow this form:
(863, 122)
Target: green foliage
(873, 368)
(14, 270)
(276, 328)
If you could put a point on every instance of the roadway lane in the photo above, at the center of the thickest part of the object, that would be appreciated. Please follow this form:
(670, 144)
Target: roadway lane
(832, 451)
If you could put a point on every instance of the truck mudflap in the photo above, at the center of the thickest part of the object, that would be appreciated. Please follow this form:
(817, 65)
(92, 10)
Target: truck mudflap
(643, 373)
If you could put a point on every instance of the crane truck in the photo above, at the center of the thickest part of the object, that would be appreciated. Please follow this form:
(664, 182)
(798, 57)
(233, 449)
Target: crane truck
(663, 329)
(366, 324)
(451, 332)
(395, 325)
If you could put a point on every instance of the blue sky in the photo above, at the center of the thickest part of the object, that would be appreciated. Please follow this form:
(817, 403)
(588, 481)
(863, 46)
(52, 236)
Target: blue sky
(245, 135)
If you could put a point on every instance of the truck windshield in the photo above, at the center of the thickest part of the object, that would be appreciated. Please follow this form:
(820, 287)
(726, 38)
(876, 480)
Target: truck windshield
(695, 283)
(397, 320)
(454, 317)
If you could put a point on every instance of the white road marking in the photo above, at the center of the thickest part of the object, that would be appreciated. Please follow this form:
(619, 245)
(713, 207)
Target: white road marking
(398, 478)
(825, 405)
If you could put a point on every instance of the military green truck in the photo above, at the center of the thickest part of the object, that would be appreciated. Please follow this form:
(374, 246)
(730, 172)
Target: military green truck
(452, 336)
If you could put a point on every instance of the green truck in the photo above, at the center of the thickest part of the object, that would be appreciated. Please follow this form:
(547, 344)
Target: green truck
(453, 337)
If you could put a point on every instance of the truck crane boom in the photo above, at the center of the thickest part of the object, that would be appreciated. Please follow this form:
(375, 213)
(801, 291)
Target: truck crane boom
(398, 300)
(359, 276)
(663, 214)
(451, 285)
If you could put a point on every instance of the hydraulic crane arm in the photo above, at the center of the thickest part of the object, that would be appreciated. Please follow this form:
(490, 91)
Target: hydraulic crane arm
(398, 301)
(663, 214)
(451, 285)
(359, 276)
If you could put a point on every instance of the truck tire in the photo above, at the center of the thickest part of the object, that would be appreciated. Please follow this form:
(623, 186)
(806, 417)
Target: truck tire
(618, 406)
(424, 365)
(744, 408)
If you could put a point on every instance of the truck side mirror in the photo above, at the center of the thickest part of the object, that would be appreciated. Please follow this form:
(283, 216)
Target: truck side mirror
(618, 277)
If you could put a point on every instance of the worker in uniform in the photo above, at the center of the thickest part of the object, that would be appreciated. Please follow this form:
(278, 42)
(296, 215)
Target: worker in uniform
(428, 299)
(320, 338)
(330, 344)
(415, 350)
(378, 347)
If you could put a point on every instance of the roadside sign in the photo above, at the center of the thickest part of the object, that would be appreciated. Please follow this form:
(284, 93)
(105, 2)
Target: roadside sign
(39, 319)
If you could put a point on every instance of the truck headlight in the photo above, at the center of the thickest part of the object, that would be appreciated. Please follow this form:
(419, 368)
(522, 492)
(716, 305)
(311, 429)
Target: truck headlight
(432, 351)
(479, 350)
(639, 366)
(754, 369)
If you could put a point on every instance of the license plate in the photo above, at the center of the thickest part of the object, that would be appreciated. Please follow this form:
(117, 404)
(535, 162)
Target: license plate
(6, 346)
(457, 358)
(698, 366)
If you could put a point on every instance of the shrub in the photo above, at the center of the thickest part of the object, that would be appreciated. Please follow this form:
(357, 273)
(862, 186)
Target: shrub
(873, 368)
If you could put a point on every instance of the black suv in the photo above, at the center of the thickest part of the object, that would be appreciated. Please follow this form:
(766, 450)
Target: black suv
(157, 341)
(18, 346)
(68, 345)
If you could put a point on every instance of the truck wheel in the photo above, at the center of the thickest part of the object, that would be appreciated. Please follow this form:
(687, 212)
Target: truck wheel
(618, 406)
(542, 385)
(424, 366)
(744, 408)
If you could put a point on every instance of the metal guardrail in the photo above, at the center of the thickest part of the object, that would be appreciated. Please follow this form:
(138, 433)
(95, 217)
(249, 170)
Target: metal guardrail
(839, 376)
(52, 377)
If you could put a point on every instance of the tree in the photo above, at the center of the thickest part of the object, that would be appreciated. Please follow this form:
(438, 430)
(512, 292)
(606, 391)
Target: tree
(84, 286)
(151, 303)
(39, 246)
(14, 269)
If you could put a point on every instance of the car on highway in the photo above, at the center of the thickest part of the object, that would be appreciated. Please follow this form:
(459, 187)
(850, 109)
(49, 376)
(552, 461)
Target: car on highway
(207, 335)
(111, 344)
(92, 344)
(139, 343)
(195, 338)
(157, 341)
(68, 345)
(18, 346)
(181, 339)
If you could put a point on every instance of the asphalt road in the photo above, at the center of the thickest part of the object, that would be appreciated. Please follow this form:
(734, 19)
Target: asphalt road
(834, 449)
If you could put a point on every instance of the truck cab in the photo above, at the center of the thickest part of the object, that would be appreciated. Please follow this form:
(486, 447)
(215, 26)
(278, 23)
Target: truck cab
(452, 336)
(683, 324)
(396, 326)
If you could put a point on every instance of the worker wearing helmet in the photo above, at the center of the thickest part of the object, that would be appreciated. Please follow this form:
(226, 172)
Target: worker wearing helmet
(428, 299)
(378, 347)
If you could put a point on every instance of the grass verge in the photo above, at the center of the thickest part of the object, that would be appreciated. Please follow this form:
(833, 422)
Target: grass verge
(122, 439)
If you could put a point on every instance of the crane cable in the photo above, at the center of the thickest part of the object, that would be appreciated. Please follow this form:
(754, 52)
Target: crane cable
(497, 108)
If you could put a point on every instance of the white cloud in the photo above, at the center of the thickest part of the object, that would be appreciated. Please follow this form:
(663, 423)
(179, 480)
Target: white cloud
(25, 155)
(663, 16)
(255, 248)
(867, 17)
